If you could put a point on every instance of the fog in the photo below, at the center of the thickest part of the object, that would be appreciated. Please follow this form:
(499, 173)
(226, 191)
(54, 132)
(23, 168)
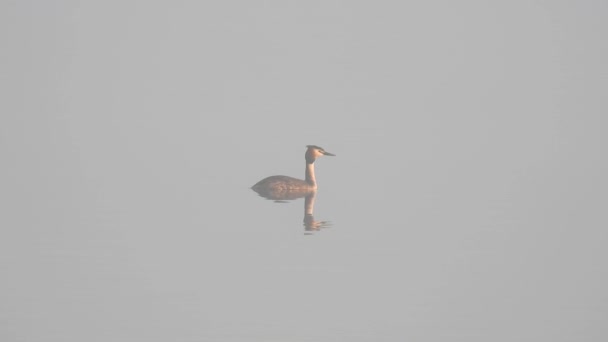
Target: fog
(466, 201)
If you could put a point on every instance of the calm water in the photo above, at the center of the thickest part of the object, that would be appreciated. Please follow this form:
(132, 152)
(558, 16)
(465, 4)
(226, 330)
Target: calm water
(466, 202)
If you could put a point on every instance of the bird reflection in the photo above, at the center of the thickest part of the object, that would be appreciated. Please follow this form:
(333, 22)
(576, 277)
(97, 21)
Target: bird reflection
(310, 224)
(282, 189)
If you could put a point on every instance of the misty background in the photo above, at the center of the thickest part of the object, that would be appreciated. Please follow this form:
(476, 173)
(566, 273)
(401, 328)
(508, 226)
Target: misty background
(467, 199)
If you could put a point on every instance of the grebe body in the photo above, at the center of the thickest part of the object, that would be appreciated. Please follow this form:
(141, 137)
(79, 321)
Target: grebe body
(284, 187)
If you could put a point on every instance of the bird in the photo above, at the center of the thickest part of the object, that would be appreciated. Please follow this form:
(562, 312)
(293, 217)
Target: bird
(285, 187)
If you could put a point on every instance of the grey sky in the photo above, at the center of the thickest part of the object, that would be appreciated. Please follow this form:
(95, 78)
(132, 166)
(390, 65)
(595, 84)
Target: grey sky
(467, 198)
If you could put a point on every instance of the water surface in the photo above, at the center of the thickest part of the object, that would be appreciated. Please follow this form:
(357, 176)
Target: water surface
(466, 201)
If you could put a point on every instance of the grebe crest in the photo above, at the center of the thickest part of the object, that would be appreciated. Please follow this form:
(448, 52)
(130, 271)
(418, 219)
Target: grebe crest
(284, 187)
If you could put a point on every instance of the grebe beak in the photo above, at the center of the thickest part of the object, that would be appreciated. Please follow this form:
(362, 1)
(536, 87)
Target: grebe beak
(328, 154)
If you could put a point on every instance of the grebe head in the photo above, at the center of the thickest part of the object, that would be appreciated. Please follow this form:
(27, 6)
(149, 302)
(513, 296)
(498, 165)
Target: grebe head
(313, 152)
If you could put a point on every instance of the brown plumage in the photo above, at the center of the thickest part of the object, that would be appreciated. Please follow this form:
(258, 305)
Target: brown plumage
(284, 187)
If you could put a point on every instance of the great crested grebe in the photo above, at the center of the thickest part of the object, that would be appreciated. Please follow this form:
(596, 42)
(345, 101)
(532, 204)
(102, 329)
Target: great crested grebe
(280, 186)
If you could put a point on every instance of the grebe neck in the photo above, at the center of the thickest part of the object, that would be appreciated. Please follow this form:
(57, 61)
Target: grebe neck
(310, 175)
